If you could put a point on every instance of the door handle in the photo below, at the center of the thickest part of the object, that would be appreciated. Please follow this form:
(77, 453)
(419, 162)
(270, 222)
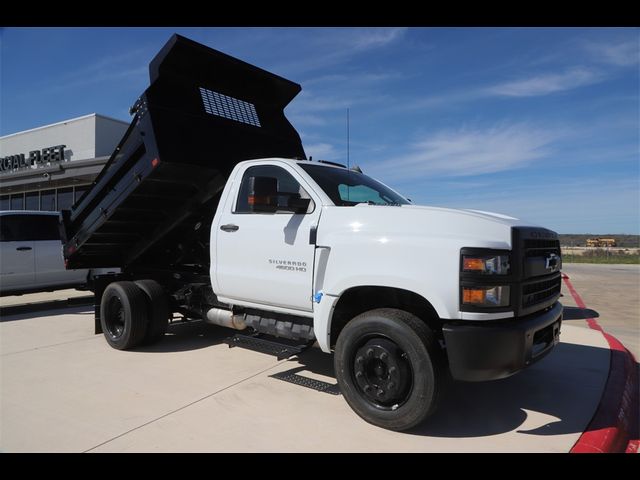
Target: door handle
(229, 227)
(23, 249)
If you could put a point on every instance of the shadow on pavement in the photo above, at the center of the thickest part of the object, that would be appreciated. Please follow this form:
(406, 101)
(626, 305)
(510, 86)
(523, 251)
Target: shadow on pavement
(555, 387)
(77, 310)
(185, 336)
(577, 313)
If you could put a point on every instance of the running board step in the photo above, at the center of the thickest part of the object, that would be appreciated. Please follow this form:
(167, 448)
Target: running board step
(280, 348)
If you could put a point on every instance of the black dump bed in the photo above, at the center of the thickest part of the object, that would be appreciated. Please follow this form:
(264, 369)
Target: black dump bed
(153, 202)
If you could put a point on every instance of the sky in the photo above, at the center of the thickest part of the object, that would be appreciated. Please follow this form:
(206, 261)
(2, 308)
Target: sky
(538, 123)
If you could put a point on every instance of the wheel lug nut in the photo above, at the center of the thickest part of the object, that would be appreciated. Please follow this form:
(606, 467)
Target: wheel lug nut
(366, 388)
(384, 356)
(370, 352)
(391, 385)
(380, 393)
(359, 359)
(358, 374)
(392, 370)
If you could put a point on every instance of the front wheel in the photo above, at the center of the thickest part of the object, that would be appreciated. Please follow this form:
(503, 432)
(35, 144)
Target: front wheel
(389, 367)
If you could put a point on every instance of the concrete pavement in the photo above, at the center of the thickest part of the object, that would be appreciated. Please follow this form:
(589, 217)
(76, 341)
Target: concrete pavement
(612, 294)
(65, 390)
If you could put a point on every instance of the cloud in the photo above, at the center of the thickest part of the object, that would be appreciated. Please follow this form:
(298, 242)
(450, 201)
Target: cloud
(533, 86)
(328, 47)
(546, 84)
(109, 62)
(306, 120)
(307, 101)
(354, 80)
(130, 66)
(581, 205)
(466, 152)
(317, 110)
(136, 74)
(321, 151)
(621, 54)
(374, 38)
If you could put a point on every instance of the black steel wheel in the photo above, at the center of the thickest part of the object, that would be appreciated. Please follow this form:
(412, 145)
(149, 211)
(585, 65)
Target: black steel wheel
(157, 310)
(390, 368)
(123, 315)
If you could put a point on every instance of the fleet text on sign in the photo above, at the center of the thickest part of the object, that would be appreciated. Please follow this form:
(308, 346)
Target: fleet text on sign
(37, 158)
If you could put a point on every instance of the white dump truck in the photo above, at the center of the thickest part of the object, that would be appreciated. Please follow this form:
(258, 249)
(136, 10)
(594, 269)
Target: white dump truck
(211, 210)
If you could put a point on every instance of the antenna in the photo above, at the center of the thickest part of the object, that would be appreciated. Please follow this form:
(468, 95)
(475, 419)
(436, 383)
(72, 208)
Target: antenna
(348, 139)
(348, 166)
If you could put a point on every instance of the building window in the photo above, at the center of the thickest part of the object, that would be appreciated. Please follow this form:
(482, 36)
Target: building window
(65, 198)
(80, 191)
(17, 201)
(32, 201)
(48, 200)
(5, 204)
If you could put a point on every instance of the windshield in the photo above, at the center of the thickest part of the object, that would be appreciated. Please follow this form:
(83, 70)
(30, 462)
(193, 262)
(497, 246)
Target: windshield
(347, 188)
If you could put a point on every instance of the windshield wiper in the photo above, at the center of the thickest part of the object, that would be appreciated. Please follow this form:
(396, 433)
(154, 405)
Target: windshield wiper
(390, 204)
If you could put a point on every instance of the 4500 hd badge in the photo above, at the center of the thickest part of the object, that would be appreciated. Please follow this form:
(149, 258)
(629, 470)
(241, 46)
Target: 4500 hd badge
(289, 265)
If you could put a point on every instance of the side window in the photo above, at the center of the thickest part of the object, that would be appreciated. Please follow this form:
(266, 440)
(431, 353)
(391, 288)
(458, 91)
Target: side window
(11, 231)
(6, 234)
(22, 228)
(274, 185)
(46, 227)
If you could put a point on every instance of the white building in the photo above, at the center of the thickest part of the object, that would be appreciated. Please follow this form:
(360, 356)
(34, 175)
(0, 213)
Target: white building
(50, 167)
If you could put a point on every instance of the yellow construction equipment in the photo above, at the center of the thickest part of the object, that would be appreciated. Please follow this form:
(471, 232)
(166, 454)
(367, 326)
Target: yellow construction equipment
(601, 242)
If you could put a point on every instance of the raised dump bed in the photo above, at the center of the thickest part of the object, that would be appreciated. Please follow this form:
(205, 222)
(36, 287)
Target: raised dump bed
(203, 112)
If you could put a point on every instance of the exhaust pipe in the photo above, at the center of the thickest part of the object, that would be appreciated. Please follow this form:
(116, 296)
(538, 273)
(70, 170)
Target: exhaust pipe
(226, 318)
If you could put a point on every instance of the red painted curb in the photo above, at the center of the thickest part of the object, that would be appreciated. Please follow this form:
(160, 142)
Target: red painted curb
(614, 427)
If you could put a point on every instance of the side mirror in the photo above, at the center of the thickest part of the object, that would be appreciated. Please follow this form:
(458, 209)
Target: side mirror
(263, 194)
(296, 204)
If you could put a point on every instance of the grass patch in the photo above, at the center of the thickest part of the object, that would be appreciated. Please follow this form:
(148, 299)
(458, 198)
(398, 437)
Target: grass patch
(610, 259)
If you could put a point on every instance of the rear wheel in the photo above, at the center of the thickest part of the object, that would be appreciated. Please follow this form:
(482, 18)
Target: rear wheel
(390, 368)
(123, 315)
(157, 310)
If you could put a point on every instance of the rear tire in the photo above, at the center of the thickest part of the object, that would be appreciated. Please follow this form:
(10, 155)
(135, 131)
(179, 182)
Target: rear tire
(157, 310)
(390, 368)
(123, 315)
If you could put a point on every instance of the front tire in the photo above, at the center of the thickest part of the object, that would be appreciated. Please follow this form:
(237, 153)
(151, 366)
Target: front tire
(390, 368)
(123, 315)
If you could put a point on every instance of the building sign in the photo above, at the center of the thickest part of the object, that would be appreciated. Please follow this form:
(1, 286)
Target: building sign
(35, 158)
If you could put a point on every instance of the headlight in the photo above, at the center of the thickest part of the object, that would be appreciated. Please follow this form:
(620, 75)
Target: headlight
(486, 264)
(497, 296)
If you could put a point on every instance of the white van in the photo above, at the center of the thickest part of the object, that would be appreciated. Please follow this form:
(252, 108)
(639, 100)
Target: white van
(31, 254)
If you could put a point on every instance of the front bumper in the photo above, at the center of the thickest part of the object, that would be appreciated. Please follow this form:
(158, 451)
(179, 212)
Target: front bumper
(480, 351)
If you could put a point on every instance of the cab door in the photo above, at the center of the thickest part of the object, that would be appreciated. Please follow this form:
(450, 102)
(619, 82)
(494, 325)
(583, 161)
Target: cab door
(263, 253)
(17, 254)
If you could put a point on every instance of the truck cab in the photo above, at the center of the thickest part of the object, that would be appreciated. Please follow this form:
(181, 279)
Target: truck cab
(303, 238)
(330, 244)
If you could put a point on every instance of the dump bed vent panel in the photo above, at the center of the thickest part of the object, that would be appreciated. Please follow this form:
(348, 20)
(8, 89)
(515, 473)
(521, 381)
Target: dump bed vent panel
(228, 107)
